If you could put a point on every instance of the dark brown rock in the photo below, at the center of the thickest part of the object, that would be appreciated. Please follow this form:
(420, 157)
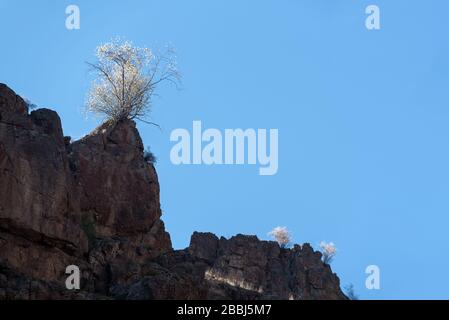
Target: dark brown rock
(244, 267)
(11, 102)
(118, 187)
(38, 198)
(94, 203)
(204, 246)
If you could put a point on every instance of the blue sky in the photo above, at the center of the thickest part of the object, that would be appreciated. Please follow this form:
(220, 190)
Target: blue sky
(362, 116)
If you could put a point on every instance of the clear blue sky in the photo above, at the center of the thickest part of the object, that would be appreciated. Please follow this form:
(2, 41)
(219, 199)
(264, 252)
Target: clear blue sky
(363, 118)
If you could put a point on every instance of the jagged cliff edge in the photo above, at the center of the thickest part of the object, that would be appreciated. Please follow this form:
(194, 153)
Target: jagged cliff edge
(94, 203)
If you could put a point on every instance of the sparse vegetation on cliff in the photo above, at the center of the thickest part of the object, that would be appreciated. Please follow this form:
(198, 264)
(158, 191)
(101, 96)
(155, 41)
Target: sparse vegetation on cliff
(329, 250)
(127, 79)
(282, 236)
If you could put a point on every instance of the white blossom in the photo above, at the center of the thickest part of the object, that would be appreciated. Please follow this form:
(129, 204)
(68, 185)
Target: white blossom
(127, 77)
(281, 235)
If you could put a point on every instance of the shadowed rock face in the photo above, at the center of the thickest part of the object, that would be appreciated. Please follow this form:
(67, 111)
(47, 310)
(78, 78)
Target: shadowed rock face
(94, 203)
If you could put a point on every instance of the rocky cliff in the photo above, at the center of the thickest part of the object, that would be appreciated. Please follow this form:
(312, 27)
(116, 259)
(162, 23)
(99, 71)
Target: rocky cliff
(94, 203)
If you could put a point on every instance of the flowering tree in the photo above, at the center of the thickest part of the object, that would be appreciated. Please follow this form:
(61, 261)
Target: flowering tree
(328, 250)
(281, 235)
(127, 77)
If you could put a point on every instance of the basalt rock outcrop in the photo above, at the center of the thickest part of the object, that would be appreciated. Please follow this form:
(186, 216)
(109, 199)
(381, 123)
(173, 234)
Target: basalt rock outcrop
(94, 203)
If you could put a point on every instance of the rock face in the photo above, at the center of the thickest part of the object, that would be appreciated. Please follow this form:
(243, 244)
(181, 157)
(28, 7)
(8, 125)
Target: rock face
(94, 203)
